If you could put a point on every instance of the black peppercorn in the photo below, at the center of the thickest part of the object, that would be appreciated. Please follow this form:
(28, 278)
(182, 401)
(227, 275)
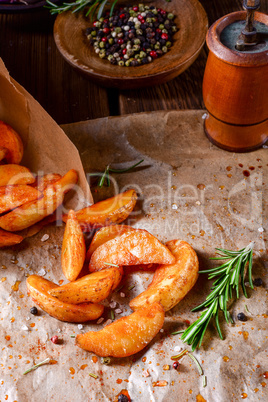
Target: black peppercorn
(122, 398)
(257, 282)
(34, 311)
(241, 317)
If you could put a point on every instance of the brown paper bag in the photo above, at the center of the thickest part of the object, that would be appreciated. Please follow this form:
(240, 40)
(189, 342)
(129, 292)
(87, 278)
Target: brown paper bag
(46, 147)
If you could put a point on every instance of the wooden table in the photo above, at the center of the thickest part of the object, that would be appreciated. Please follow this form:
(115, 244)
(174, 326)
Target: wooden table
(28, 50)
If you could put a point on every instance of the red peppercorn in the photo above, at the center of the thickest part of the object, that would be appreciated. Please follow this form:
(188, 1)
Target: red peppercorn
(120, 41)
(176, 365)
(104, 39)
(163, 12)
(124, 51)
(153, 54)
(55, 339)
(95, 23)
(143, 21)
(158, 30)
(140, 17)
(105, 21)
(122, 16)
(164, 36)
(106, 30)
(135, 8)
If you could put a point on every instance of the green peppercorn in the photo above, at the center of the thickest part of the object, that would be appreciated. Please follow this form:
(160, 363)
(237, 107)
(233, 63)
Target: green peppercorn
(136, 48)
(142, 54)
(139, 31)
(93, 33)
(148, 20)
(168, 44)
(102, 54)
(102, 45)
(164, 30)
(174, 28)
(170, 16)
(164, 49)
(137, 41)
(110, 57)
(110, 41)
(121, 63)
(127, 63)
(118, 30)
(141, 8)
(161, 26)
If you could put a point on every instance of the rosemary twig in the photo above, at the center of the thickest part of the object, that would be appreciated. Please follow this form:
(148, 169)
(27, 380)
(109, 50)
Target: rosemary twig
(229, 276)
(108, 169)
(78, 5)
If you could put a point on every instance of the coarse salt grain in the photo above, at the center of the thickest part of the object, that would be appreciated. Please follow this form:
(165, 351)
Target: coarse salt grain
(80, 326)
(45, 237)
(198, 203)
(25, 328)
(122, 294)
(118, 311)
(174, 206)
(161, 330)
(146, 374)
(28, 318)
(177, 348)
(42, 272)
(113, 304)
(100, 320)
(204, 116)
(260, 229)
(107, 322)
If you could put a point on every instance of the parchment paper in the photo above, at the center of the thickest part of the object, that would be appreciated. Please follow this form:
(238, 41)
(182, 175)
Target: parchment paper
(188, 189)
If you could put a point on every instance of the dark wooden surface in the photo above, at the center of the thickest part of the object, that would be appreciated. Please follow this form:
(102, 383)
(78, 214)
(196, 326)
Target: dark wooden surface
(28, 50)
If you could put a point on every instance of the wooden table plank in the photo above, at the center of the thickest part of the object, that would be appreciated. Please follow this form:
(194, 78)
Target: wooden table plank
(27, 48)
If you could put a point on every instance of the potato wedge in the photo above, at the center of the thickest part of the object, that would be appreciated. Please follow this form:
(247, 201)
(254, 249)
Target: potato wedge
(126, 336)
(9, 239)
(16, 195)
(131, 248)
(91, 288)
(73, 251)
(15, 174)
(43, 181)
(104, 234)
(38, 288)
(108, 212)
(32, 212)
(3, 153)
(11, 140)
(171, 282)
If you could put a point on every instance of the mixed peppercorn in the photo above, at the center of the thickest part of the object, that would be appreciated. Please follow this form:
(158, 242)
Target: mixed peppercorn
(133, 36)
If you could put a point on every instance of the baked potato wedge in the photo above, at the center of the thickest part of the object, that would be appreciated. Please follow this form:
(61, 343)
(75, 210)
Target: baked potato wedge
(108, 212)
(104, 234)
(15, 174)
(38, 288)
(171, 282)
(9, 239)
(32, 212)
(73, 251)
(94, 287)
(11, 140)
(125, 336)
(16, 195)
(43, 181)
(3, 153)
(131, 248)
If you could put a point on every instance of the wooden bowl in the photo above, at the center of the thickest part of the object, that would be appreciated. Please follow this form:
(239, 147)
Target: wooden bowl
(191, 19)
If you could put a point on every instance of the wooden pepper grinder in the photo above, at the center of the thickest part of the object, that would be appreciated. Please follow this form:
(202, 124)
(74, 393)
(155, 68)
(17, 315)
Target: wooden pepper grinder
(235, 85)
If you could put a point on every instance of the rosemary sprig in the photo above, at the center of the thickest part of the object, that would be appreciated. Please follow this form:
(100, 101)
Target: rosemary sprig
(108, 169)
(229, 274)
(78, 5)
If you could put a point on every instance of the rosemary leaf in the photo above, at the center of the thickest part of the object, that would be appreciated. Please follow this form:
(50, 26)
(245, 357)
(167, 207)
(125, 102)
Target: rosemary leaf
(37, 365)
